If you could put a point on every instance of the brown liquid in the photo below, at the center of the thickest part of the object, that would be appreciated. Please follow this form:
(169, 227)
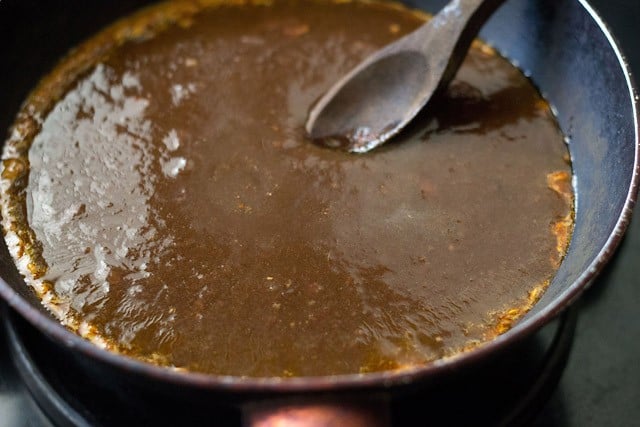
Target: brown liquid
(183, 215)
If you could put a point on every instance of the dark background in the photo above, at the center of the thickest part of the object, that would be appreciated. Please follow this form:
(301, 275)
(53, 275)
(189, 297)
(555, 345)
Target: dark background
(601, 385)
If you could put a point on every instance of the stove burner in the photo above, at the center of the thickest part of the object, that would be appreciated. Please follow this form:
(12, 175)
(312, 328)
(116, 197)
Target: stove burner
(509, 389)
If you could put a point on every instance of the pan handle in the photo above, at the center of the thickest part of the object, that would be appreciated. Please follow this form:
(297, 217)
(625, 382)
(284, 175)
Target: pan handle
(337, 411)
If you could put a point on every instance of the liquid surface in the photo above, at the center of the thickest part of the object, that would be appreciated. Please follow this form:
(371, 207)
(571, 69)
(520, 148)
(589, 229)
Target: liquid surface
(178, 214)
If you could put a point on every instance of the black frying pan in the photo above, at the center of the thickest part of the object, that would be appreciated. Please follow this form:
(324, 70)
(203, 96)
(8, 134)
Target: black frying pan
(569, 54)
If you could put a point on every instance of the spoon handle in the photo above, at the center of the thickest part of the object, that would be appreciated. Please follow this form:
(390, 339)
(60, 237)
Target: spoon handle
(453, 29)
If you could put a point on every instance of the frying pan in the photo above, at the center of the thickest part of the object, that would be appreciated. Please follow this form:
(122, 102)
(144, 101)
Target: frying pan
(570, 55)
